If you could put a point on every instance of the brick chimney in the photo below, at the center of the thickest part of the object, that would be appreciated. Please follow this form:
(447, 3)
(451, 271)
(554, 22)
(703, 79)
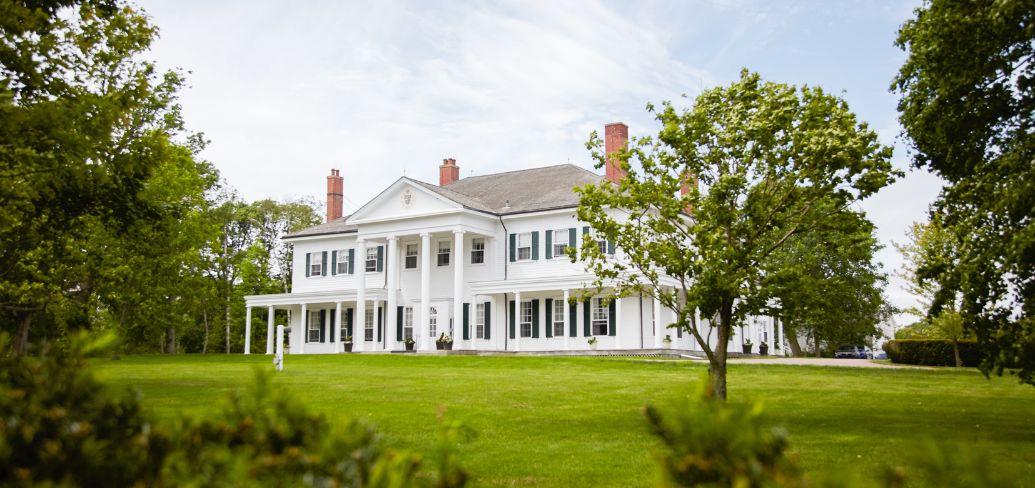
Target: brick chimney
(448, 172)
(335, 195)
(616, 138)
(688, 180)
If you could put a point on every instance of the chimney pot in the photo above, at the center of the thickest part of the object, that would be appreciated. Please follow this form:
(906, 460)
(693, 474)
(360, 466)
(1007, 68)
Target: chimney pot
(335, 195)
(448, 172)
(616, 138)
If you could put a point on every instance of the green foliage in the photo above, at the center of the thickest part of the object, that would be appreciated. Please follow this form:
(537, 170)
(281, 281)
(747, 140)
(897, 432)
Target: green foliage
(762, 162)
(62, 428)
(932, 352)
(967, 103)
(708, 442)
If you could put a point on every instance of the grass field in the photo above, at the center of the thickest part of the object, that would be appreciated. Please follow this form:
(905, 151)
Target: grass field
(554, 421)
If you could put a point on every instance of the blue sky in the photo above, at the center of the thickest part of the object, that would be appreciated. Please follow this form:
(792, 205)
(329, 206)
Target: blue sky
(288, 90)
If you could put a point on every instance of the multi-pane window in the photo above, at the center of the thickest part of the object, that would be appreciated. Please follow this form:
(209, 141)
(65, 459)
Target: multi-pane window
(599, 317)
(477, 251)
(368, 325)
(524, 246)
(433, 321)
(443, 253)
(525, 319)
(316, 264)
(560, 242)
(558, 317)
(407, 323)
(410, 261)
(343, 261)
(342, 329)
(314, 326)
(601, 243)
(370, 263)
(479, 321)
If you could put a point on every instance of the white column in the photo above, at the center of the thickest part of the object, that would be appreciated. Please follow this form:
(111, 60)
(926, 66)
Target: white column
(618, 324)
(392, 268)
(359, 322)
(517, 319)
(247, 330)
(269, 329)
(425, 342)
(659, 328)
(458, 289)
(304, 330)
(337, 325)
(567, 319)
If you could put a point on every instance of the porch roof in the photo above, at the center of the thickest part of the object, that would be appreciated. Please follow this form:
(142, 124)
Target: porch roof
(283, 299)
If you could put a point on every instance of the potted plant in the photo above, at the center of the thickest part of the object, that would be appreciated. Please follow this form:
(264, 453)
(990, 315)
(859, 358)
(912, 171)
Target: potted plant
(747, 346)
(444, 342)
(348, 343)
(592, 343)
(409, 343)
(763, 349)
(667, 341)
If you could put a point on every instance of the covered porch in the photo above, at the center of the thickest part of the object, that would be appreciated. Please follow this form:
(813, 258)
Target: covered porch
(320, 322)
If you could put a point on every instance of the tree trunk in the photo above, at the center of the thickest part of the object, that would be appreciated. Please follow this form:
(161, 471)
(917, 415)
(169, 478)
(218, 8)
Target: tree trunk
(956, 351)
(204, 340)
(792, 340)
(170, 340)
(717, 366)
(21, 339)
(227, 307)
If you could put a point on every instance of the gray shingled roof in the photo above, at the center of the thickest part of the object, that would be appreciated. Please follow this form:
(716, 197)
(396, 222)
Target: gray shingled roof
(512, 192)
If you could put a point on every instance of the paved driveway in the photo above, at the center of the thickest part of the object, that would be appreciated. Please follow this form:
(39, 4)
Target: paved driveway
(847, 363)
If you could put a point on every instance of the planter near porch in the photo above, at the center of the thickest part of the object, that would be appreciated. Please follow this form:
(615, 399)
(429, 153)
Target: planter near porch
(438, 346)
(666, 344)
(763, 350)
(448, 346)
(409, 347)
(746, 348)
(348, 347)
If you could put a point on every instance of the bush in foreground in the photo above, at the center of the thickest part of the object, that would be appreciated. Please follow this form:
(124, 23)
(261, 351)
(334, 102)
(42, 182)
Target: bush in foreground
(932, 352)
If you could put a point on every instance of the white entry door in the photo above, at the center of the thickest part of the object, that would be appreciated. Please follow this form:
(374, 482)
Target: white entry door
(438, 320)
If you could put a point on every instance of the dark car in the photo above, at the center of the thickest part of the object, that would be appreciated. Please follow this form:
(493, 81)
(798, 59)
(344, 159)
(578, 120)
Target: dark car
(853, 352)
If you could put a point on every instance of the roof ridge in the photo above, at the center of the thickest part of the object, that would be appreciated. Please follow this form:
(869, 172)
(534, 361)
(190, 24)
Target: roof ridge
(521, 170)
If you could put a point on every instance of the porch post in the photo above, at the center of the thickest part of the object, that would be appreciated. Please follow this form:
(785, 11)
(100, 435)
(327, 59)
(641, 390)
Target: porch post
(425, 292)
(269, 329)
(392, 268)
(659, 329)
(458, 287)
(304, 336)
(567, 318)
(359, 322)
(517, 317)
(337, 324)
(618, 322)
(247, 330)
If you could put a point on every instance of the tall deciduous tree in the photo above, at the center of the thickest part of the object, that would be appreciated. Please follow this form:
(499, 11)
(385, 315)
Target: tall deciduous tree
(968, 105)
(766, 155)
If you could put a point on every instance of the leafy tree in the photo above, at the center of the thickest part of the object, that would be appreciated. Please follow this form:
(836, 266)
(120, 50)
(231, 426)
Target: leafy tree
(772, 161)
(826, 284)
(967, 93)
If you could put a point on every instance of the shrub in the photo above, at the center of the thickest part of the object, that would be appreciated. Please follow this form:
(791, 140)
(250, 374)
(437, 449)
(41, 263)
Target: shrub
(932, 352)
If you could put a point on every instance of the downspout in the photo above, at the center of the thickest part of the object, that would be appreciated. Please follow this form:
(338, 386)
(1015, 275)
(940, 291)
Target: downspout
(506, 257)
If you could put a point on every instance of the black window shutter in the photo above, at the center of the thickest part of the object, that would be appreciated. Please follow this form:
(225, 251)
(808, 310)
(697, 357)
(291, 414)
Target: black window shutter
(307, 256)
(512, 318)
(535, 245)
(611, 318)
(348, 323)
(549, 312)
(573, 315)
(535, 318)
(379, 322)
(610, 246)
(323, 264)
(679, 332)
(380, 258)
(332, 326)
(572, 237)
(399, 323)
(352, 261)
(334, 263)
(513, 246)
(488, 320)
(323, 326)
(467, 330)
(305, 325)
(585, 230)
(585, 318)
(549, 241)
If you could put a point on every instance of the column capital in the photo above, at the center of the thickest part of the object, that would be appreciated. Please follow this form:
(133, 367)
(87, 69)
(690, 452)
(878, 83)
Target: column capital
(361, 240)
(459, 231)
(425, 234)
(392, 238)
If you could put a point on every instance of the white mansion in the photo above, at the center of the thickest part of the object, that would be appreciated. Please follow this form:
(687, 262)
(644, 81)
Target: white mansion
(481, 259)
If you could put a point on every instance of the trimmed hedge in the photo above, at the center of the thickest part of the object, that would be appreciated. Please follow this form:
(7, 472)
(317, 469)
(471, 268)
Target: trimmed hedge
(931, 352)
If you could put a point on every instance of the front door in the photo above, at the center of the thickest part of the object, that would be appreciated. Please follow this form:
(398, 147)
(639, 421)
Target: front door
(438, 320)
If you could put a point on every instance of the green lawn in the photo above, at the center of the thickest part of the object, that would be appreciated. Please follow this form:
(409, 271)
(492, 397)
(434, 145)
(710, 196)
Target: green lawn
(576, 421)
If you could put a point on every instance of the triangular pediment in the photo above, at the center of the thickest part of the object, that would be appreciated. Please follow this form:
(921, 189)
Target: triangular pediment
(404, 198)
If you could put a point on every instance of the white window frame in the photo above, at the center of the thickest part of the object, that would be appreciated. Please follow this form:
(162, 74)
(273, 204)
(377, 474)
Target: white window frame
(479, 321)
(316, 265)
(476, 251)
(342, 266)
(519, 247)
(560, 241)
(524, 314)
(407, 255)
(439, 255)
(407, 323)
(342, 326)
(314, 326)
(433, 322)
(557, 315)
(370, 262)
(599, 316)
(368, 324)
